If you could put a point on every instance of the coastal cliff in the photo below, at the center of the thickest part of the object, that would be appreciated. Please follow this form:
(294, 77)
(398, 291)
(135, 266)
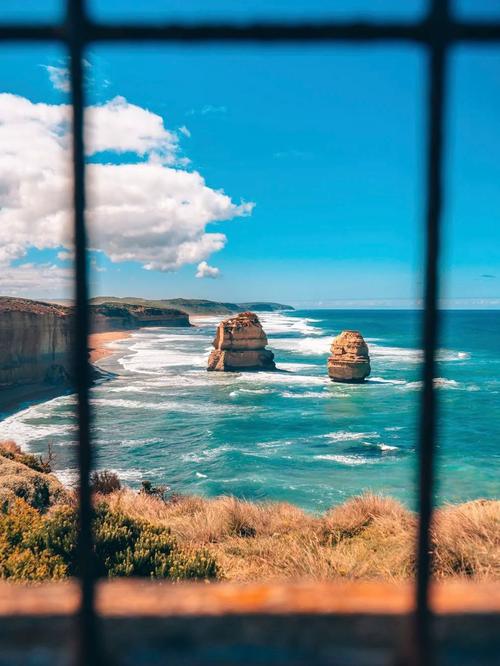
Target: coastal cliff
(36, 337)
(120, 317)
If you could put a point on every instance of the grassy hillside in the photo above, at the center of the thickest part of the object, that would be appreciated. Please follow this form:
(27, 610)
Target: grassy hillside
(366, 537)
(195, 306)
(160, 534)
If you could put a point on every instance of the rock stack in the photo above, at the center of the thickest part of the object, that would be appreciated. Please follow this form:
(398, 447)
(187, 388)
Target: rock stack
(350, 361)
(239, 344)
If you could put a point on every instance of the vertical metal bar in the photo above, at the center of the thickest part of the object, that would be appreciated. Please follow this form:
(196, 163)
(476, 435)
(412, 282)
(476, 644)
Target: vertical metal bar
(436, 108)
(88, 652)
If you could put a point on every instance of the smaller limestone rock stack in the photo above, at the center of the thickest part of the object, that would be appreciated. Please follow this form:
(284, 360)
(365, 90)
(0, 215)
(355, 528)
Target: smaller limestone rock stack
(240, 345)
(350, 361)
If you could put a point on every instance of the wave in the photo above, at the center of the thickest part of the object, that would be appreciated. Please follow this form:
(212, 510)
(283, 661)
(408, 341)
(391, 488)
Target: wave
(23, 433)
(281, 378)
(443, 383)
(130, 443)
(292, 367)
(348, 436)
(349, 460)
(415, 355)
(275, 323)
(317, 346)
(382, 380)
(242, 391)
(206, 454)
(381, 446)
(169, 406)
(320, 395)
(153, 360)
(24, 426)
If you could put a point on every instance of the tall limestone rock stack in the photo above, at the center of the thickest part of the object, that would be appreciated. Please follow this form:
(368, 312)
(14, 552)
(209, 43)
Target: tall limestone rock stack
(239, 344)
(350, 361)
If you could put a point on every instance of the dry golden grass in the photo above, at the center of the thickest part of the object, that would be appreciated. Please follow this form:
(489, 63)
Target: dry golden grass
(466, 540)
(366, 537)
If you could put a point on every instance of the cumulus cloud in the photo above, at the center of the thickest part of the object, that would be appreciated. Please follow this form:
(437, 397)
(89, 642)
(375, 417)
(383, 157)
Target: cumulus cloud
(46, 277)
(206, 271)
(148, 209)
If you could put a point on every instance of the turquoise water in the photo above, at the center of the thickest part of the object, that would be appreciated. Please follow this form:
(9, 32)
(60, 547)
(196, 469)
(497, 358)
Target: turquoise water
(291, 435)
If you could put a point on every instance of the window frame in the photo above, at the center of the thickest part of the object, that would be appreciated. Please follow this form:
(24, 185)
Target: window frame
(436, 33)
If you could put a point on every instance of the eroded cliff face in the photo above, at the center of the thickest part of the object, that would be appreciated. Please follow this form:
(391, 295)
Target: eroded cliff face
(35, 342)
(240, 345)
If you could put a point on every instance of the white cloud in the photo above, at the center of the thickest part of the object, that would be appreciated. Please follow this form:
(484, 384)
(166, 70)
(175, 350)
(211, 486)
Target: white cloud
(184, 130)
(46, 278)
(206, 271)
(147, 210)
(59, 77)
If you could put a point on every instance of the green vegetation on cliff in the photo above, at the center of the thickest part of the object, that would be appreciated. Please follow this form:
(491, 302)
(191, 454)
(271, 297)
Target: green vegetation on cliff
(38, 532)
(195, 306)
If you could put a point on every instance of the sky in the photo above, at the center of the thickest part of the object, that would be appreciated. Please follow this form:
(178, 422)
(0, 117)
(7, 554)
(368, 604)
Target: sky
(278, 173)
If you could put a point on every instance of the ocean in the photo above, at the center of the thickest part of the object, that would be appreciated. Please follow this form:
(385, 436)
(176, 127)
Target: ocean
(291, 435)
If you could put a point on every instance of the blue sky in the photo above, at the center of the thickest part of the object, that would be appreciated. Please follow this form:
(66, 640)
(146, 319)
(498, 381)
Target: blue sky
(326, 142)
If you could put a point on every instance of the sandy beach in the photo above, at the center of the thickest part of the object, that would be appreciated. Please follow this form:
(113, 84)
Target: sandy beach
(98, 344)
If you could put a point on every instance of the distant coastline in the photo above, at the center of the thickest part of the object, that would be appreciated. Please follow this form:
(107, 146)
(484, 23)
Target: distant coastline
(35, 352)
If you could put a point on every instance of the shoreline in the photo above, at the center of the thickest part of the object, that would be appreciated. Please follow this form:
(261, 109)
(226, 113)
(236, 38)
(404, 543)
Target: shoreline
(98, 344)
(18, 397)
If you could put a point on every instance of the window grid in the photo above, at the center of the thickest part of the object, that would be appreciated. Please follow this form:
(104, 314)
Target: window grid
(437, 32)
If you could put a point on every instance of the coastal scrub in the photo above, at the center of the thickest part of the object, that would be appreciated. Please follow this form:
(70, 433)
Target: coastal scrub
(34, 546)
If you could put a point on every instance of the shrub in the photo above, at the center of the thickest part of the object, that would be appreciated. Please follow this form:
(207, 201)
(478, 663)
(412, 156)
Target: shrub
(39, 490)
(23, 551)
(154, 491)
(105, 482)
(36, 547)
(12, 451)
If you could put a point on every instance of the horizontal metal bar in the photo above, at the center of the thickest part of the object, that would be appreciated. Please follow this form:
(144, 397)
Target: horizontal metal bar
(419, 32)
(43, 32)
(260, 32)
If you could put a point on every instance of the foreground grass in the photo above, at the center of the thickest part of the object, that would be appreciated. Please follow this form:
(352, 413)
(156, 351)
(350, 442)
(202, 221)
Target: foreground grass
(185, 537)
(366, 537)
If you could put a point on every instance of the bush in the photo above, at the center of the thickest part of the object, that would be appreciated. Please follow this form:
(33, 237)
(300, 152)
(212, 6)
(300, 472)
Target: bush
(36, 547)
(105, 482)
(12, 451)
(39, 490)
(154, 491)
(23, 550)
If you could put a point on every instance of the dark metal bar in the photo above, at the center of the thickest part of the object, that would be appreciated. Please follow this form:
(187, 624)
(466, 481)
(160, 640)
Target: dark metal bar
(88, 650)
(260, 32)
(452, 31)
(31, 33)
(423, 650)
